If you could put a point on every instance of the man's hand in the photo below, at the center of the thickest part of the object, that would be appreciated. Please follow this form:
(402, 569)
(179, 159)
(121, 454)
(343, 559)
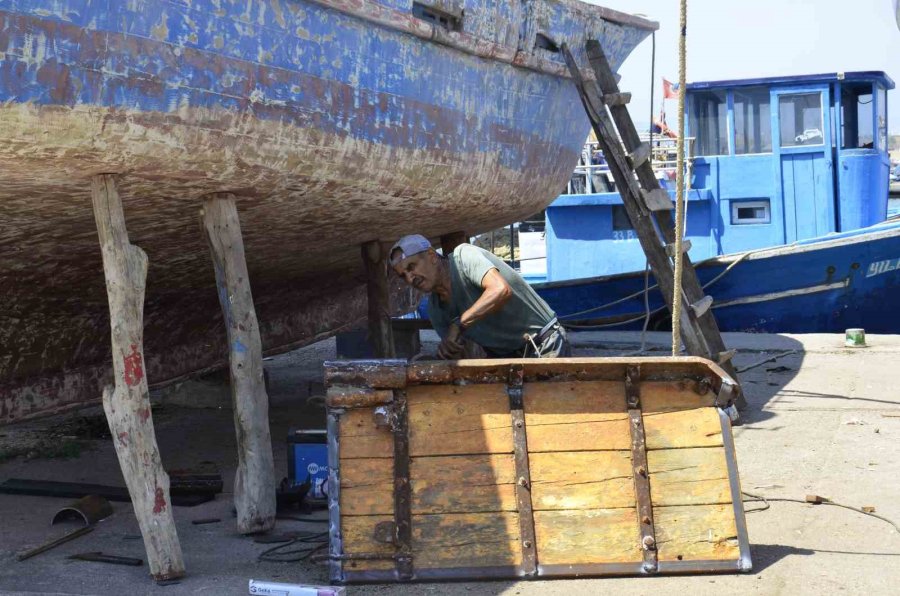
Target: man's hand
(452, 346)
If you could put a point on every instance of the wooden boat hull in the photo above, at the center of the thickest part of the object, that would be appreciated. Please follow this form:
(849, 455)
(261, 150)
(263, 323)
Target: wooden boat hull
(823, 285)
(334, 122)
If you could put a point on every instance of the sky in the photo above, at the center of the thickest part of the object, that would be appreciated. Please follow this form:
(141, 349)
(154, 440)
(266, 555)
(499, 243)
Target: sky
(731, 39)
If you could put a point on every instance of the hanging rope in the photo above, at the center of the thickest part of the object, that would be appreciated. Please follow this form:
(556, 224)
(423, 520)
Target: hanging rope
(679, 184)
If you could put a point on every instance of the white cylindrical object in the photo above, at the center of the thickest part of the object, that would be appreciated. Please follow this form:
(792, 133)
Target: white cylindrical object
(261, 588)
(855, 338)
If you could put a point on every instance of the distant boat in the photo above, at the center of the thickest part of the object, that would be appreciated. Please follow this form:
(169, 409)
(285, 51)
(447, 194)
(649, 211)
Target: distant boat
(770, 161)
(334, 122)
(822, 285)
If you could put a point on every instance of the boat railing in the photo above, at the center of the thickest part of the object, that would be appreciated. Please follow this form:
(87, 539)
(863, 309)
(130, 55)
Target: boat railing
(592, 174)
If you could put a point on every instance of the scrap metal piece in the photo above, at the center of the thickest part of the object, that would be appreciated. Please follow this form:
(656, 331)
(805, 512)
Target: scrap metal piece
(99, 557)
(90, 509)
(523, 473)
(402, 489)
(641, 474)
(54, 543)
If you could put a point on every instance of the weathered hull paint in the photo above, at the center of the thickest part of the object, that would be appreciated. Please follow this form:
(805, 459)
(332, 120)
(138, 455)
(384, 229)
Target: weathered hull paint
(334, 122)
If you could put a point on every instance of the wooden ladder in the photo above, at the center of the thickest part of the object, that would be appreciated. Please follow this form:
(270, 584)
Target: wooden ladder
(645, 202)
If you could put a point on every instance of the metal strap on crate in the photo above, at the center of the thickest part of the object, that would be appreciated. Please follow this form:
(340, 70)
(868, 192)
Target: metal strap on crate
(402, 491)
(640, 471)
(523, 476)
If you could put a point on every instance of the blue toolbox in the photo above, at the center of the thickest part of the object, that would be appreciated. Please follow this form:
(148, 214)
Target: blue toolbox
(308, 460)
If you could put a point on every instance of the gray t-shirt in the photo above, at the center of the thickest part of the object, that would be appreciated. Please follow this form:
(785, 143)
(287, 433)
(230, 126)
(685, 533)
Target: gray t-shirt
(501, 332)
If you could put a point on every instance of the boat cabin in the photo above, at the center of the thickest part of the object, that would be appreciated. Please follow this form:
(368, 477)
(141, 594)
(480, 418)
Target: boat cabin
(770, 161)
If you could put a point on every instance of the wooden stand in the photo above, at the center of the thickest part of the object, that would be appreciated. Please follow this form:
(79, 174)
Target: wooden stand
(254, 482)
(380, 331)
(127, 405)
(450, 241)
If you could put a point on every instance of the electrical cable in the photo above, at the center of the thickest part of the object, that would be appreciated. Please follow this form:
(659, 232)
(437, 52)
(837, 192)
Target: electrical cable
(276, 554)
(765, 500)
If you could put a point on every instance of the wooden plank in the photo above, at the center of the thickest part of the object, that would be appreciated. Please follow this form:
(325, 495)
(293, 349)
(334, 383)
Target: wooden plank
(361, 438)
(463, 484)
(666, 396)
(701, 532)
(452, 484)
(657, 200)
(358, 533)
(585, 416)
(440, 541)
(466, 540)
(381, 334)
(581, 480)
(589, 536)
(451, 420)
(367, 487)
(127, 404)
(687, 428)
(688, 477)
(254, 482)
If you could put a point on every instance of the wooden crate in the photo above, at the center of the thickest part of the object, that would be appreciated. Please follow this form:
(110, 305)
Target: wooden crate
(531, 468)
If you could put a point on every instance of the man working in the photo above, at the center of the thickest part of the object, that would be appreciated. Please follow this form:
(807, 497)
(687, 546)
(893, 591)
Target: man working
(475, 295)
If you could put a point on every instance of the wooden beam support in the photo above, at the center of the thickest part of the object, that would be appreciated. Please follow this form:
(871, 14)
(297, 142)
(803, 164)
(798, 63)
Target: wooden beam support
(127, 405)
(450, 241)
(381, 333)
(254, 481)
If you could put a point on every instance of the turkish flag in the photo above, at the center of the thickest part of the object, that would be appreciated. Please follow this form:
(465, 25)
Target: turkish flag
(670, 90)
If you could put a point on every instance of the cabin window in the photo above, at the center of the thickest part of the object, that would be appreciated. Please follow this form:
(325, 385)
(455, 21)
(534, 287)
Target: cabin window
(750, 212)
(800, 117)
(858, 117)
(881, 120)
(620, 219)
(709, 122)
(450, 22)
(752, 122)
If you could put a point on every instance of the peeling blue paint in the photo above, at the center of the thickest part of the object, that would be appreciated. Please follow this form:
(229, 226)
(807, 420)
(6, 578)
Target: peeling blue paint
(304, 64)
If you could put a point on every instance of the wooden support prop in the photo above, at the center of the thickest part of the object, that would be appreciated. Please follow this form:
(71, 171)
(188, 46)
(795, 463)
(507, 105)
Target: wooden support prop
(450, 241)
(381, 333)
(127, 405)
(254, 481)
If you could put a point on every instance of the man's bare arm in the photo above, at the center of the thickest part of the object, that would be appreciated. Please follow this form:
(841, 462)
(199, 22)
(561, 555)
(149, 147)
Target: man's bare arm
(496, 294)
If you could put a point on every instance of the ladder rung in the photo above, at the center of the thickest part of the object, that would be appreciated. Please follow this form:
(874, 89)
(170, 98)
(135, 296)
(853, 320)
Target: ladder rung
(657, 200)
(701, 307)
(726, 356)
(640, 154)
(617, 99)
(685, 246)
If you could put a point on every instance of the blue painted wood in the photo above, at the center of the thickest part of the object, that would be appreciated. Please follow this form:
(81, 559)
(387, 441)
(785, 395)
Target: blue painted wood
(842, 281)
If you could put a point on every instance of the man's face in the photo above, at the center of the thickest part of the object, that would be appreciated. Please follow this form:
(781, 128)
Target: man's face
(420, 271)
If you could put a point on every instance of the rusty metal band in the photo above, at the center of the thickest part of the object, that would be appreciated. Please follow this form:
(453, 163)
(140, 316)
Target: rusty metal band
(523, 475)
(640, 470)
(335, 538)
(402, 492)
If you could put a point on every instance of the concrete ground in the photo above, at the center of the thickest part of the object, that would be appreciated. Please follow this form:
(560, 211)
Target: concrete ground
(822, 420)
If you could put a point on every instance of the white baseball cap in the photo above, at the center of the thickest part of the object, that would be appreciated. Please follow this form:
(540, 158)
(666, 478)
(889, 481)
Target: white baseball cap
(410, 245)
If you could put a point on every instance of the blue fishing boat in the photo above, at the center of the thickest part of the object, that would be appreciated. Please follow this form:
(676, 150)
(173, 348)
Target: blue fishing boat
(333, 121)
(770, 161)
(825, 284)
(788, 188)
